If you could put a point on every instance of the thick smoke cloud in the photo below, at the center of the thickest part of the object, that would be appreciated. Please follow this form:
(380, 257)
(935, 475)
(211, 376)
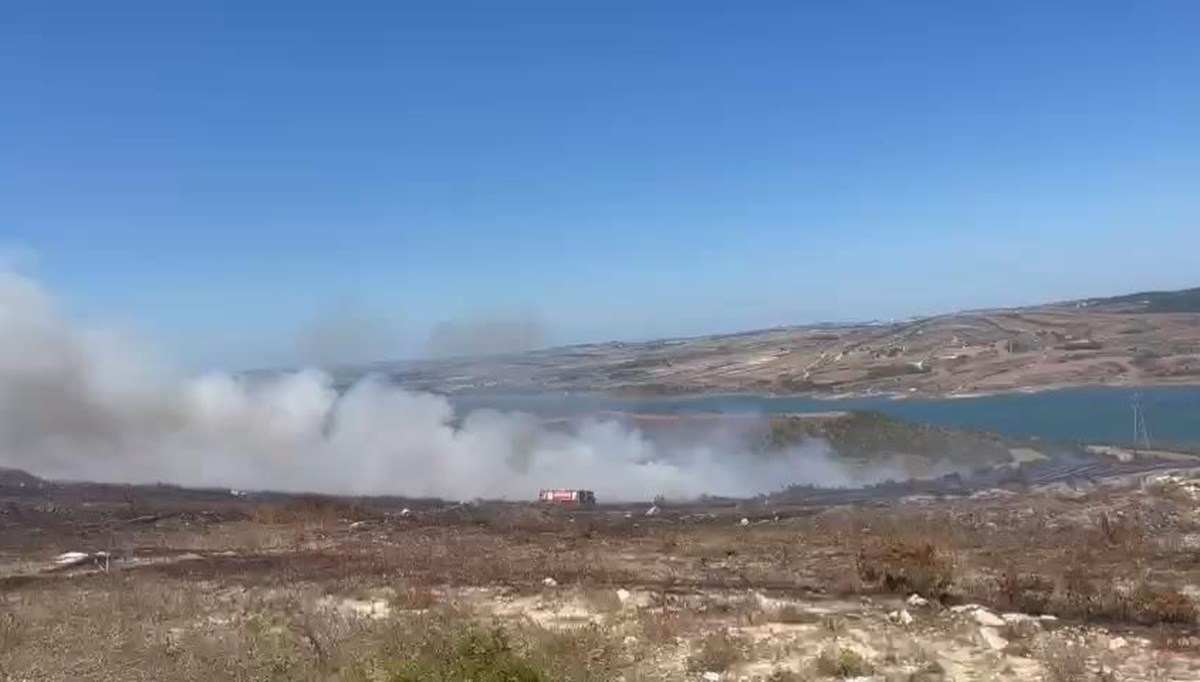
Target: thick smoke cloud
(87, 405)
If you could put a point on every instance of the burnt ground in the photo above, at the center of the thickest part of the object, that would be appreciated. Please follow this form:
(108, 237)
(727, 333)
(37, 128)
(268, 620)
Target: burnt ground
(1065, 581)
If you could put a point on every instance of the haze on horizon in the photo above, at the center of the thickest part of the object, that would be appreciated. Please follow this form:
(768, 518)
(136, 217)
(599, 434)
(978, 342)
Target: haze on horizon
(279, 183)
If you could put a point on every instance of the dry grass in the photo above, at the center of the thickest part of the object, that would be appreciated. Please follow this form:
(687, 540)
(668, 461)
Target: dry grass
(1065, 661)
(122, 629)
(906, 567)
(791, 614)
(1097, 558)
(718, 652)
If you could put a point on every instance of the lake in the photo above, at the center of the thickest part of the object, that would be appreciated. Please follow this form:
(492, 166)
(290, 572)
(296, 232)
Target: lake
(1090, 414)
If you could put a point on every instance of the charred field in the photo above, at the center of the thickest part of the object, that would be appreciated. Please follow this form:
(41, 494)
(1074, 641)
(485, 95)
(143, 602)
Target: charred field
(1084, 576)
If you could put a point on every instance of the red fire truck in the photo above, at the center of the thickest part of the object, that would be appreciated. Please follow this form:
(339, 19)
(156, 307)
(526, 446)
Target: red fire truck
(584, 498)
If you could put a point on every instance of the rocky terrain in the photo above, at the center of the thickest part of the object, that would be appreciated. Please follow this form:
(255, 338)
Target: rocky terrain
(1142, 339)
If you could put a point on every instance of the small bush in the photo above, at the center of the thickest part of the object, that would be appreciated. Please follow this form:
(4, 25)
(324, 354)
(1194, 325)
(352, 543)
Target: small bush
(475, 657)
(659, 627)
(842, 663)
(1064, 662)
(414, 599)
(1153, 605)
(1025, 592)
(718, 652)
(904, 568)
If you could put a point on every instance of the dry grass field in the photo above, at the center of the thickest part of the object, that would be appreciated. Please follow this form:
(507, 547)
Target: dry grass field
(1062, 585)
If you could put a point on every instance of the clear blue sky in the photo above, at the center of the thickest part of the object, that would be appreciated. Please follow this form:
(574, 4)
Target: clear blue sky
(219, 175)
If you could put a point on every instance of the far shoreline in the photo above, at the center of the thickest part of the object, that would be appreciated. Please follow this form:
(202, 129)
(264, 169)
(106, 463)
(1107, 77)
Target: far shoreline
(652, 397)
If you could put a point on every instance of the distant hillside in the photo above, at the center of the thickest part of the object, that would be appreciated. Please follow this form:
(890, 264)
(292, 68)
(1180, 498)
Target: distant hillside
(872, 435)
(16, 478)
(1182, 301)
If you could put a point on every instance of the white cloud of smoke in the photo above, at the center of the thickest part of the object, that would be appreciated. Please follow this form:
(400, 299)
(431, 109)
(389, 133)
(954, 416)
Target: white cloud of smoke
(85, 405)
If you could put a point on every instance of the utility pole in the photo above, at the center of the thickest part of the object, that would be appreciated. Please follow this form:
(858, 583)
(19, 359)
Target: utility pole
(1141, 435)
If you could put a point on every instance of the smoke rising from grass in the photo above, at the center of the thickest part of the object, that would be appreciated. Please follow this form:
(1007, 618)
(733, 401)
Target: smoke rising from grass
(87, 405)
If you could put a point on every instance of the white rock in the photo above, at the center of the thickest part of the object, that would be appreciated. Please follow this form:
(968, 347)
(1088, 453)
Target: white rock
(1117, 643)
(991, 637)
(652, 511)
(405, 512)
(1018, 618)
(71, 558)
(744, 522)
(623, 595)
(963, 608)
(903, 617)
(1047, 618)
(988, 619)
(630, 640)
(710, 676)
(550, 582)
(917, 600)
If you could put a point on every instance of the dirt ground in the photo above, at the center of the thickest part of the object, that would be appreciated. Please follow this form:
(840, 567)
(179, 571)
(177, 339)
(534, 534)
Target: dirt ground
(1057, 584)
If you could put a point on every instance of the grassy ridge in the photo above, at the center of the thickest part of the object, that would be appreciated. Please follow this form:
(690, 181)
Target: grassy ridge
(872, 435)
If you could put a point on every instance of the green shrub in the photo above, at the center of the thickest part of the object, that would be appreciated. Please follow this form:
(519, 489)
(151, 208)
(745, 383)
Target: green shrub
(484, 656)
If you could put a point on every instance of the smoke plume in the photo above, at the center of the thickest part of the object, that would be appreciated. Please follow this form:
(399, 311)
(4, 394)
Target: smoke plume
(493, 335)
(86, 405)
(347, 334)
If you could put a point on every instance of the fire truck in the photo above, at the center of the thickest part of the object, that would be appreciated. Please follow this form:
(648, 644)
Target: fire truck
(583, 498)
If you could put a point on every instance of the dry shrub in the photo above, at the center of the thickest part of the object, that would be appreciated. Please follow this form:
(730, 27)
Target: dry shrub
(718, 652)
(472, 656)
(414, 599)
(586, 653)
(907, 567)
(660, 627)
(1152, 605)
(270, 514)
(1094, 600)
(445, 646)
(1025, 592)
(1064, 661)
(842, 663)
(1079, 597)
(10, 630)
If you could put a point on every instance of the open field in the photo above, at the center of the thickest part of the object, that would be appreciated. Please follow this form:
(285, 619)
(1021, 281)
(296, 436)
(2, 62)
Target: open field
(1145, 341)
(1057, 583)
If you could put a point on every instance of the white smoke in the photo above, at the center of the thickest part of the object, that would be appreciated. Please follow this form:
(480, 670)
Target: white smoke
(86, 405)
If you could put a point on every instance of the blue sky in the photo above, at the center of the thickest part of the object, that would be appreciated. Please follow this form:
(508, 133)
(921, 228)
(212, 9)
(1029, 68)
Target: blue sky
(222, 175)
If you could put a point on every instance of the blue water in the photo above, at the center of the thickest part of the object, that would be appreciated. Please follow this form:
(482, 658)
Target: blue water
(1091, 415)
